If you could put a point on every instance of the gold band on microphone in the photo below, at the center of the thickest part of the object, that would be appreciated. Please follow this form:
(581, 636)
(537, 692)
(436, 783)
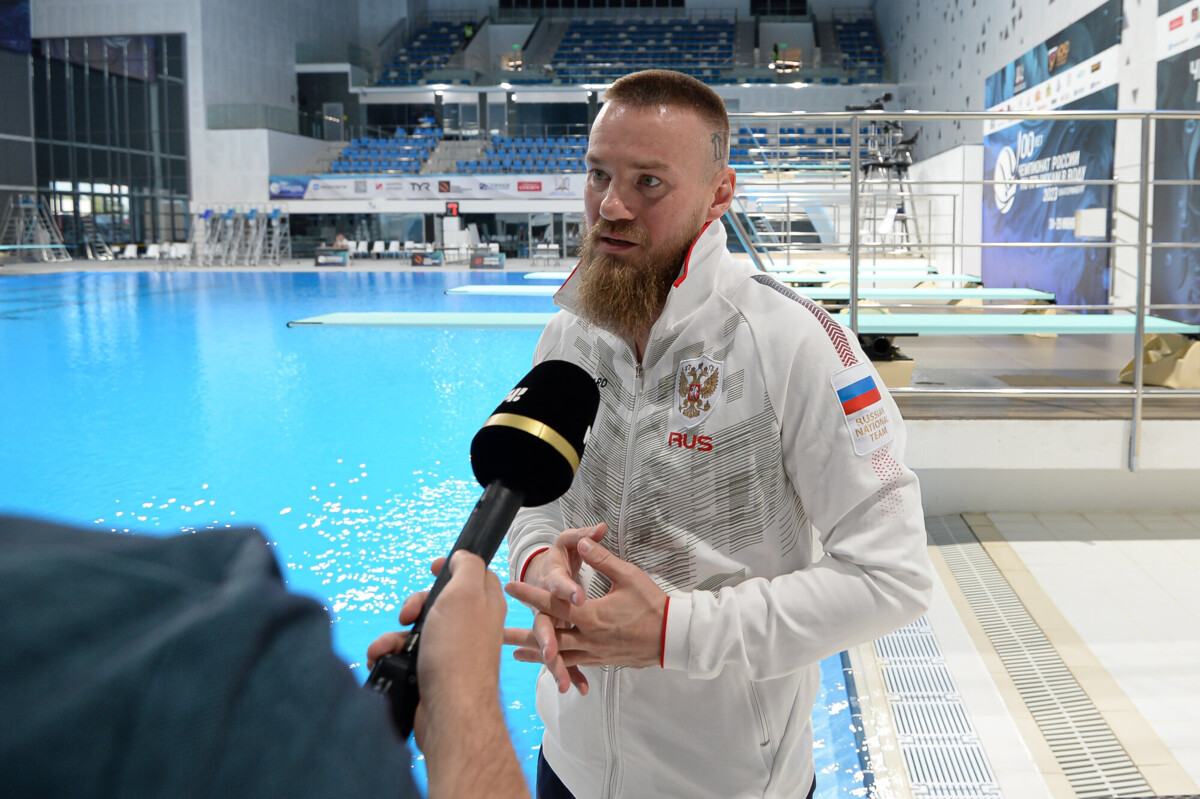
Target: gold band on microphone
(539, 430)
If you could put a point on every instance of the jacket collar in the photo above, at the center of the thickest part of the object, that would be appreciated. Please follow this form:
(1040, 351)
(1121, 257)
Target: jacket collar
(695, 281)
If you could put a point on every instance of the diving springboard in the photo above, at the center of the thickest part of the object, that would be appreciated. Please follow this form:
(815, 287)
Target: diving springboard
(812, 277)
(983, 324)
(455, 320)
(843, 267)
(939, 293)
(897, 324)
(875, 277)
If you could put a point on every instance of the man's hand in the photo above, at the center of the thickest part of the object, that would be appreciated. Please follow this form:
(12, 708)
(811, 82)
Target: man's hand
(556, 571)
(622, 628)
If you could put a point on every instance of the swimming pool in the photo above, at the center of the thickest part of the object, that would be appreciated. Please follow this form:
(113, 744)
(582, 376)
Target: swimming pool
(165, 401)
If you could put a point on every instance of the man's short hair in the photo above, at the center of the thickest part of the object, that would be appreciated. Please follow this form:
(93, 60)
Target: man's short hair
(662, 87)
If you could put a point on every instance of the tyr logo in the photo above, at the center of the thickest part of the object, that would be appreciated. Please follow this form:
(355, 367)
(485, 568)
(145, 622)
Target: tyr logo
(516, 394)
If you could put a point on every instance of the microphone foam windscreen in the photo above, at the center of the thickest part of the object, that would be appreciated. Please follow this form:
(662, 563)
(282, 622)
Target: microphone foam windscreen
(534, 440)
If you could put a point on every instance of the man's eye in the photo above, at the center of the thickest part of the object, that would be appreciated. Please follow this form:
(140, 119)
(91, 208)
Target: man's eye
(597, 174)
(650, 180)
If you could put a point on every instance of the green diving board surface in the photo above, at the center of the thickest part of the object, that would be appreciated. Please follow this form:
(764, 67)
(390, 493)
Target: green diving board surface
(812, 292)
(977, 324)
(898, 324)
(453, 320)
(876, 277)
(809, 277)
(843, 267)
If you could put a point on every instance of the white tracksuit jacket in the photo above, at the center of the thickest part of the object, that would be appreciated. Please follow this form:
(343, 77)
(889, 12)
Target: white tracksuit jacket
(754, 422)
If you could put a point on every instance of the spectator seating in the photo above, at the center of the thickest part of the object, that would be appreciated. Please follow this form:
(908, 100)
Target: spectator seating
(789, 146)
(601, 50)
(428, 49)
(862, 54)
(530, 155)
(403, 153)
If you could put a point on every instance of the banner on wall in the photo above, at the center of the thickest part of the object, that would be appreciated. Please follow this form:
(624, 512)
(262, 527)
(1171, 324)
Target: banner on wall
(427, 187)
(1032, 162)
(14, 26)
(1175, 273)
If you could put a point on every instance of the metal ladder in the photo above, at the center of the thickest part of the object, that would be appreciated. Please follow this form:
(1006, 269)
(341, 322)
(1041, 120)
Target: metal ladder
(278, 238)
(94, 244)
(200, 237)
(249, 249)
(27, 226)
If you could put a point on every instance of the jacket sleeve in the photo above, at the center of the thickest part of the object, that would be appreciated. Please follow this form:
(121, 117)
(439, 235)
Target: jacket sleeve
(535, 529)
(843, 452)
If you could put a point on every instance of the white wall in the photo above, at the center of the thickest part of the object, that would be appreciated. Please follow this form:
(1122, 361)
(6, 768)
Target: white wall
(235, 168)
(952, 206)
(376, 18)
(1048, 465)
(250, 47)
(493, 42)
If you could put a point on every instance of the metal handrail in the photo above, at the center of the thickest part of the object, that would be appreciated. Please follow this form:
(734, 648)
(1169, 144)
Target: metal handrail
(1138, 391)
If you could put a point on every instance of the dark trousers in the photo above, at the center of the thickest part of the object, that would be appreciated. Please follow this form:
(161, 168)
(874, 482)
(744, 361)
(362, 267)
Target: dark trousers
(549, 786)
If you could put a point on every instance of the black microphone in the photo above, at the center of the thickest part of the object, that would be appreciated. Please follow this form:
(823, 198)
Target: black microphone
(526, 453)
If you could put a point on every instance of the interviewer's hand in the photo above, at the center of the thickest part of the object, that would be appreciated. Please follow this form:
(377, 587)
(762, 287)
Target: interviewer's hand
(556, 571)
(458, 664)
(459, 723)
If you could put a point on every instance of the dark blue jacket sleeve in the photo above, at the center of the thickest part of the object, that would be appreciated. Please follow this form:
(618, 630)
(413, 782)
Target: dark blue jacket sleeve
(137, 666)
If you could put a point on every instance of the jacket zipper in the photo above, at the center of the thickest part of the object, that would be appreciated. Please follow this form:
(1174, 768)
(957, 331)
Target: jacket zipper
(764, 738)
(611, 679)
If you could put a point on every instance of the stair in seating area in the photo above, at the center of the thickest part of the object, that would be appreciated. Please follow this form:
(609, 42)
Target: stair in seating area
(331, 153)
(445, 158)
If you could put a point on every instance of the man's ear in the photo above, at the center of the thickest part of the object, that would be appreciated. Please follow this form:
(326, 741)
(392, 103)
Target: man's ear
(726, 183)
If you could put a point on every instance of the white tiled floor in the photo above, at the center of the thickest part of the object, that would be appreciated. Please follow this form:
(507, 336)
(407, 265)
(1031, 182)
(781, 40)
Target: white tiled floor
(1129, 585)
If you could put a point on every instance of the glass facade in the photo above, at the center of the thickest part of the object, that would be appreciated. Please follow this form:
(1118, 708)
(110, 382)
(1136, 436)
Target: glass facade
(110, 125)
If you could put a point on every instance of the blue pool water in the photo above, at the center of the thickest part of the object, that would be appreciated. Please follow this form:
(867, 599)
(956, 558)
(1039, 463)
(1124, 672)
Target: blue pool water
(169, 401)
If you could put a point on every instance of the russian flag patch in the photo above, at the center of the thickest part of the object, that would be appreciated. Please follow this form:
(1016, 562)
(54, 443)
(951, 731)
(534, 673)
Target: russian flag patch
(862, 405)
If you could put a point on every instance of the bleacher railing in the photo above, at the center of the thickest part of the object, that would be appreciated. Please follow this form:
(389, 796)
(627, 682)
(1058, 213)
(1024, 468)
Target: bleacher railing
(952, 247)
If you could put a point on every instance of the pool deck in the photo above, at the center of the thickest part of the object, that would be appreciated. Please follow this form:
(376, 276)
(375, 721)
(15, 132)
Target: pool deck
(1109, 590)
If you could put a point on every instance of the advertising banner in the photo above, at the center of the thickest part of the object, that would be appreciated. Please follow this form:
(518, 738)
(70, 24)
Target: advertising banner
(1175, 272)
(1033, 160)
(426, 187)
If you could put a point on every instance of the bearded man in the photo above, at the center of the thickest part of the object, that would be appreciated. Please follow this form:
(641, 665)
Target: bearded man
(680, 610)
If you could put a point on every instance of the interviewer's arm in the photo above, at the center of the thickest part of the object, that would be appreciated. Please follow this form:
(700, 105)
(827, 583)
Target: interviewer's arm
(459, 723)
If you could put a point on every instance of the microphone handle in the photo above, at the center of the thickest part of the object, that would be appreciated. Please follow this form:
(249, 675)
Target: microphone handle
(396, 675)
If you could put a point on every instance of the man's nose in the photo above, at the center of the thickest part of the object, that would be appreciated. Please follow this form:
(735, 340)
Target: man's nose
(614, 207)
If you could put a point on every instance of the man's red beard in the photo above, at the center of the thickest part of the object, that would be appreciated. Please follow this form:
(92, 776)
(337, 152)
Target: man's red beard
(624, 294)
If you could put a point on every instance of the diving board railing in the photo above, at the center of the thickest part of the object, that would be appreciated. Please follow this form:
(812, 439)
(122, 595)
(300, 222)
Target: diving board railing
(1126, 237)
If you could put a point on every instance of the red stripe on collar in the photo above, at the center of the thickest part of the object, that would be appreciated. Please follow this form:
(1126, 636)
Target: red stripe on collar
(568, 280)
(687, 260)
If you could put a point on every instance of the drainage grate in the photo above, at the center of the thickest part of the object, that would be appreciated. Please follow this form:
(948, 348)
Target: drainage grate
(925, 680)
(942, 754)
(1091, 757)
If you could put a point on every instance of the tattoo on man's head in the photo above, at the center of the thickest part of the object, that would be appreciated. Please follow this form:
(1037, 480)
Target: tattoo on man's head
(719, 142)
